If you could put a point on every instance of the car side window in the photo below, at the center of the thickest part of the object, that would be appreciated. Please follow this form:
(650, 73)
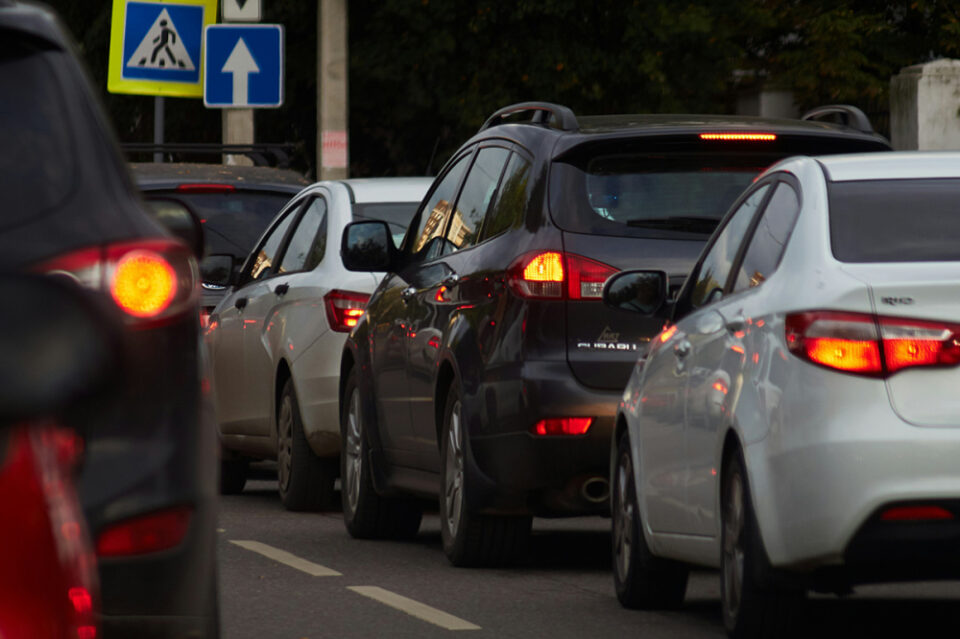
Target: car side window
(509, 205)
(267, 254)
(769, 239)
(716, 266)
(427, 241)
(309, 241)
(474, 200)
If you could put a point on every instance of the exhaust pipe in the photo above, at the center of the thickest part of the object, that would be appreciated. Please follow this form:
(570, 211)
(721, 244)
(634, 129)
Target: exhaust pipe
(596, 490)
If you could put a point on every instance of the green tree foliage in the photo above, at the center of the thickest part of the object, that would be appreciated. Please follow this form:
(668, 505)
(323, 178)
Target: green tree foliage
(424, 74)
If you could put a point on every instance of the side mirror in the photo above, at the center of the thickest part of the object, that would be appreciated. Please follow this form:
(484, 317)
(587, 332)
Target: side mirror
(368, 246)
(217, 271)
(643, 292)
(180, 220)
(64, 349)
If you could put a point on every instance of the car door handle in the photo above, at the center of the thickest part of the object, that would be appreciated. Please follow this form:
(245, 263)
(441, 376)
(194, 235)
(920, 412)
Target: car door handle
(407, 294)
(241, 303)
(682, 348)
(281, 289)
(451, 280)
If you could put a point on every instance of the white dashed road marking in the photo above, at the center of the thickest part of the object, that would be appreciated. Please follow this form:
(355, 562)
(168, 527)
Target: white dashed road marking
(414, 608)
(286, 558)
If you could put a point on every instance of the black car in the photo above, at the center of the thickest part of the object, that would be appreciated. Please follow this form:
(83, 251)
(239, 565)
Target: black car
(147, 482)
(486, 370)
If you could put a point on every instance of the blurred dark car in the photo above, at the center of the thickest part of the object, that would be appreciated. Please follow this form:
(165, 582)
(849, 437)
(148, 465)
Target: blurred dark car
(235, 204)
(147, 482)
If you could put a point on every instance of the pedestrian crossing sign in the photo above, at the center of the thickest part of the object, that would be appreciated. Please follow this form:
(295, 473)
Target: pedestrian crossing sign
(156, 47)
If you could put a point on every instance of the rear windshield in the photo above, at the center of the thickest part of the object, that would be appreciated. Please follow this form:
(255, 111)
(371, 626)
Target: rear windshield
(37, 162)
(396, 214)
(895, 220)
(649, 195)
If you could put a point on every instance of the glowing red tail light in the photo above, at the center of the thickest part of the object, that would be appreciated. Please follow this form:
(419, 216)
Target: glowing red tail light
(739, 137)
(147, 534)
(344, 309)
(916, 513)
(869, 345)
(542, 275)
(149, 280)
(562, 426)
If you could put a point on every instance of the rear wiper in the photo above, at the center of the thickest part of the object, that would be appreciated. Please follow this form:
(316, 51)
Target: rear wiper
(677, 223)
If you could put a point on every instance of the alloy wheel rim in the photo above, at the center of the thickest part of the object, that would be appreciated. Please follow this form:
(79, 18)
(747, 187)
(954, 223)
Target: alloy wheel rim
(354, 457)
(453, 489)
(733, 552)
(285, 443)
(623, 520)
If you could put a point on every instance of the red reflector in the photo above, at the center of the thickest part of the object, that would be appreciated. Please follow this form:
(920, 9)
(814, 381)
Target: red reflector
(344, 309)
(146, 534)
(562, 426)
(739, 137)
(81, 600)
(206, 188)
(916, 513)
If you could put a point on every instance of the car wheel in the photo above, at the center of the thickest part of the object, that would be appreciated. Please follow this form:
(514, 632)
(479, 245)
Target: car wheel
(471, 539)
(366, 514)
(305, 480)
(642, 580)
(752, 607)
(233, 476)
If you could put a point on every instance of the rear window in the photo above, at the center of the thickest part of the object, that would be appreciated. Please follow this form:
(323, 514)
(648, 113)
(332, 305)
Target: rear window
(895, 220)
(642, 195)
(37, 162)
(396, 214)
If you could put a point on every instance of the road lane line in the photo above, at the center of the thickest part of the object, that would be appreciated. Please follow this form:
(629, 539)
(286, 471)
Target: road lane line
(286, 558)
(414, 608)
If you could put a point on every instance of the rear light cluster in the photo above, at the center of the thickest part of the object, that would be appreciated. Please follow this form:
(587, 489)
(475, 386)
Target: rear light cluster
(556, 275)
(344, 309)
(562, 426)
(870, 345)
(149, 280)
(150, 533)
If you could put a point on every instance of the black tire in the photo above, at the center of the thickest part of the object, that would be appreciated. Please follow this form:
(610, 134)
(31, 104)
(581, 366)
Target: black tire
(471, 539)
(642, 580)
(305, 481)
(751, 605)
(366, 514)
(233, 476)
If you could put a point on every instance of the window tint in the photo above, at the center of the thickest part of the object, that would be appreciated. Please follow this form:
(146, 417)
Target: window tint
(263, 263)
(427, 241)
(510, 203)
(717, 264)
(309, 241)
(396, 214)
(895, 220)
(770, 239)
(475, 196)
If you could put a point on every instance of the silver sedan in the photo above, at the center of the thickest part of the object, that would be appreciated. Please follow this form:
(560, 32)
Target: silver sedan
(797, 422)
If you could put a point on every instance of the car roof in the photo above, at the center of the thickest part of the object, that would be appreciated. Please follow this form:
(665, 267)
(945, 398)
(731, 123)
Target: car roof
(35, 20)
(387, 189)
(891, 166)
(166, 175)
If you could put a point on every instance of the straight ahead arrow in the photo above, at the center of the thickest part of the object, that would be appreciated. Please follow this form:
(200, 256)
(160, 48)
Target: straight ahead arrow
(241, 64)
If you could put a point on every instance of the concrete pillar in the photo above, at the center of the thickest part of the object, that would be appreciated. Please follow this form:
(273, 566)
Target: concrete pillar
(237, 129)
(767, 102)
(332, 139)
(925, 106)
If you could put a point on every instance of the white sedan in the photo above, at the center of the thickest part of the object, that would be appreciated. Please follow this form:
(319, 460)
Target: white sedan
(797, 422)
(275, 338)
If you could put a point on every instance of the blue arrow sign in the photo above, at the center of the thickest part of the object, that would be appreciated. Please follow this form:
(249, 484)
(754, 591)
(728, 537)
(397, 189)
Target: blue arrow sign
(243, 66)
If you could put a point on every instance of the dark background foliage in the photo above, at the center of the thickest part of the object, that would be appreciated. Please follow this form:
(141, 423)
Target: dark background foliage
(424, 74)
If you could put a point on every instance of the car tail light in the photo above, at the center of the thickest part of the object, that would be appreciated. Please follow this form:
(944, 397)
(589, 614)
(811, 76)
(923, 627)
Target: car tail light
(344, 309)
(562, 426)
(542, 275)
(147, 534)
(150, 280)
(739, 137)
(870, 345)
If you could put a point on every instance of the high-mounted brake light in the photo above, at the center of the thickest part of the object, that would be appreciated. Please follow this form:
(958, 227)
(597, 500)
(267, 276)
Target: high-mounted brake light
(739, 137)
(562, 426)
(541, 275)
(206, 188)
(344, 309)
(870, 345)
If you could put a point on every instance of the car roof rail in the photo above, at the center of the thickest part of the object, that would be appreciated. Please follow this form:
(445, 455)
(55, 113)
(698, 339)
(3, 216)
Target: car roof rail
(546, 113)
(850, 116)
(262, 154)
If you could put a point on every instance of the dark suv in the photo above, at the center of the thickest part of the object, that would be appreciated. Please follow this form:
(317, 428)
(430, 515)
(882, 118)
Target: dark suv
(486, 370)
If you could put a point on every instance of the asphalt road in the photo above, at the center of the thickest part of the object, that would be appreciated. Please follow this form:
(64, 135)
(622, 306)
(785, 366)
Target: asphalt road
(300, 575)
